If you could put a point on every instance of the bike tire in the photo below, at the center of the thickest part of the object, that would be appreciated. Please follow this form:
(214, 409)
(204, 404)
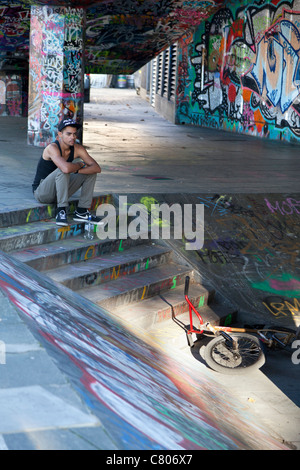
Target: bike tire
(220, 356)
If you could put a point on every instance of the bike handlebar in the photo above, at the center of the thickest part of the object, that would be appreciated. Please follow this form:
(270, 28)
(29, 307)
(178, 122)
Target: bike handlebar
(187, 283)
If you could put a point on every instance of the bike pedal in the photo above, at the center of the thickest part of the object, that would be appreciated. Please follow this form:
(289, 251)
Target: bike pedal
(190, 340)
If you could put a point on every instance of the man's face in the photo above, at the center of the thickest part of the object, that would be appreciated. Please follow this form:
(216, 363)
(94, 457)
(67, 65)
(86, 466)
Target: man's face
(68, 135)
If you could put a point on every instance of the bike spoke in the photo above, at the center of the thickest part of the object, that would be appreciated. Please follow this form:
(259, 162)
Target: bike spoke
(246, 354)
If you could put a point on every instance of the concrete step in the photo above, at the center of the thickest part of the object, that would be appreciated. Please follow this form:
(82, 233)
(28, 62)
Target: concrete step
(36, 233)
(40, 212)
(109, 267)
(165, 306)
(138, 286)
(70, 251)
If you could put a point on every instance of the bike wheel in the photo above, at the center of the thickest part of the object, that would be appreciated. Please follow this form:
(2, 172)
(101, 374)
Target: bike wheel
(221, 357)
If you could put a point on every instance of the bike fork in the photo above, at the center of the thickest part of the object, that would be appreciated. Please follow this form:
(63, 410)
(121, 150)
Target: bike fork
(233, 343)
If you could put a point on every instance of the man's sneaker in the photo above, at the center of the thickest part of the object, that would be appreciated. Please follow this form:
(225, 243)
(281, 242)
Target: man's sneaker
(61, 218)
(84, 217)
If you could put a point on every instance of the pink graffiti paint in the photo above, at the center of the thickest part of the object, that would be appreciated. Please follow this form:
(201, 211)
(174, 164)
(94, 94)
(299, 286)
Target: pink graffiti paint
(293, 284)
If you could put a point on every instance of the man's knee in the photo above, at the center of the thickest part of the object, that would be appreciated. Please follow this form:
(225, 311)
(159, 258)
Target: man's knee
(90, 179)
(62, 176)
(93, 177)
(44, 198)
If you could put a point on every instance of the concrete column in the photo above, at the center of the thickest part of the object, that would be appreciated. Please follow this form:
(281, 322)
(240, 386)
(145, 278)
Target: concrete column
(56, 70)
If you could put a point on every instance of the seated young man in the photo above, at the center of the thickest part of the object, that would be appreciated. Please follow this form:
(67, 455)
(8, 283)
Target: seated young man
(63, 169)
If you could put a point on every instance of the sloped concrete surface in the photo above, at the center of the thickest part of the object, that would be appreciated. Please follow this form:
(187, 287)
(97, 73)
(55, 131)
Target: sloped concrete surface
(143, 398)
(132, 388)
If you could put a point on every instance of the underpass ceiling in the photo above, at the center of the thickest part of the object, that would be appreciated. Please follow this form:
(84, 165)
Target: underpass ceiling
(120, 35)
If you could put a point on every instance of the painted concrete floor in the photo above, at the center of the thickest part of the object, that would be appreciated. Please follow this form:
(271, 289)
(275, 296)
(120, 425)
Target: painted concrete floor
(141, 152)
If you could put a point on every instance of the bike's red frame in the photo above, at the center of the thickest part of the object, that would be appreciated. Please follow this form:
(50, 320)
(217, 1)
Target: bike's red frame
(191, 309)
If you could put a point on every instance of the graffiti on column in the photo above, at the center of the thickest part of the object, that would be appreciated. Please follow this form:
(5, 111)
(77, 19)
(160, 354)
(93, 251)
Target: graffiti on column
(55, 70)
(73, 71)
(245, 68)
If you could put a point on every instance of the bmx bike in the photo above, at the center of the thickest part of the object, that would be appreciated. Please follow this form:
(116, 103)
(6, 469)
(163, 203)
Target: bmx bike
(237, 350)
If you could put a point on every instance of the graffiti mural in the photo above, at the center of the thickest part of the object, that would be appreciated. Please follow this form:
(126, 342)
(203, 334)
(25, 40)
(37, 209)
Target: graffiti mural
(244, 71)
(14, 30)
(14, 51)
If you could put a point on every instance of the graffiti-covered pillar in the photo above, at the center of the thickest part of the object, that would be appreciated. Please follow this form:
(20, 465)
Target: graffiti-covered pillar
(56, 70)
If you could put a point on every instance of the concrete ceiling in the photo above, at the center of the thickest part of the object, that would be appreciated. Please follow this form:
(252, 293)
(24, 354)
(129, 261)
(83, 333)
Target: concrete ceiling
(120, 35)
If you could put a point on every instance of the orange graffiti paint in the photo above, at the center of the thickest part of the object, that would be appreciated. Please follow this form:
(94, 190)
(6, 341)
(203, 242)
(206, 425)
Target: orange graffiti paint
(259, 120)
(247, 94)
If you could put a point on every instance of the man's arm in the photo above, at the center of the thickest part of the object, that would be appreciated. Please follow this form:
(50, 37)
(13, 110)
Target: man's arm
(51, 152)
(87, 166)
(91, 166)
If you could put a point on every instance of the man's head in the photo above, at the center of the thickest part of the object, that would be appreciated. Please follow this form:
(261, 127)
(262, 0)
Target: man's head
(67, 130)
(66, 123)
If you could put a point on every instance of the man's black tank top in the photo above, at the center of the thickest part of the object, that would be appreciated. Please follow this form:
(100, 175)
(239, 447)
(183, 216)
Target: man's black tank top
(46, 167)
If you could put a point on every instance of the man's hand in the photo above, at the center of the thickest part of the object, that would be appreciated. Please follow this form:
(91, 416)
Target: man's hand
(81, 165)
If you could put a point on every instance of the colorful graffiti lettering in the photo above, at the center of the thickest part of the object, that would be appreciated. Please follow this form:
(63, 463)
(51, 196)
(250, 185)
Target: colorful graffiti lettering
(282, 308)
(288, 206)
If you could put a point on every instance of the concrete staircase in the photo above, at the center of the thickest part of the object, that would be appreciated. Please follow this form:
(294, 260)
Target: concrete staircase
(140, 282)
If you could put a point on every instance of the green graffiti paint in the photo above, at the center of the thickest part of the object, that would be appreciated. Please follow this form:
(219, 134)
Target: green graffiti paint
(28, 216)
(228, 320)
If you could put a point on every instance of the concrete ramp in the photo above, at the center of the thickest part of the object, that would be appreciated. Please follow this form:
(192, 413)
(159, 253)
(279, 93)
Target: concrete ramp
(250, 252)
(144, 399)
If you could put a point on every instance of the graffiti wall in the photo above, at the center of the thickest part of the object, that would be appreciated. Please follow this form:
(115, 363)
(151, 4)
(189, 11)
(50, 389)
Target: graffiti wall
(55, 72)
(251, 250)
(14, 30)
(14, 50)
(240, 71)
(13, 95)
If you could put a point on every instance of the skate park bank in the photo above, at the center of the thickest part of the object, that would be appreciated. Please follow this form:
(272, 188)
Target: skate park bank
(133, 371)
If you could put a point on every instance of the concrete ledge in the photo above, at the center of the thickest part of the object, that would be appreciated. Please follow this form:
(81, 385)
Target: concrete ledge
(38, 212)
